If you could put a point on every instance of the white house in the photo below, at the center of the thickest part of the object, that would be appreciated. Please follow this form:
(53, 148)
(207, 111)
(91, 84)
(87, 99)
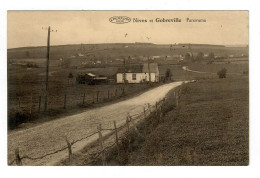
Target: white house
(138, 73)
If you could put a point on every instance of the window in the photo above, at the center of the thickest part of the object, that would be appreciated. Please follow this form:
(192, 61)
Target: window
(133, 76)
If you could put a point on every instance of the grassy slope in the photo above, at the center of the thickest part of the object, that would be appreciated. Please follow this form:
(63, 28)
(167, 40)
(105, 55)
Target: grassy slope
(210, 128)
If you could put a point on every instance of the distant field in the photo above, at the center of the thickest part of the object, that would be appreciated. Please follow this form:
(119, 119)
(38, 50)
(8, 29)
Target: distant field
(236, 68)
(102, 51)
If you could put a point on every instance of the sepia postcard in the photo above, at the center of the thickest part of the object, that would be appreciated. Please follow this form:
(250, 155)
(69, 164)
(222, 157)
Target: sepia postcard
(128, 88)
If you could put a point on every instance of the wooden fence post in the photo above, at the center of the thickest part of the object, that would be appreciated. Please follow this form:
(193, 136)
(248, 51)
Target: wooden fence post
(101, 144)
(40, 100)
(97, 95)
(149, 107)
(18, 159)
(145, 131)
(19, 102)
(31, 105)
(117, 144)
(161, 114)
(180, 90)
(156, 109)
(134, 125)
(65, 101)
(70, 151)
(84, 98)
(177, 100)
(123, 91)
(128, 132)
(46, 105)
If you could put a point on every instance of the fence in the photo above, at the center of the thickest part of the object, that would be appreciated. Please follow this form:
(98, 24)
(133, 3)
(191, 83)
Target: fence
(32, 101)
(35, 103)
(154, 111)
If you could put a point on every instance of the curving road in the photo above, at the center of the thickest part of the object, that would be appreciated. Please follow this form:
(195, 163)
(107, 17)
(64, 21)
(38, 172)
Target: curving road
(50, 136)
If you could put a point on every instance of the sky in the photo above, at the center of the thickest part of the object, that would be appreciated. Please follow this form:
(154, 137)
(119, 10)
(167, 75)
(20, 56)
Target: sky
(24, 28)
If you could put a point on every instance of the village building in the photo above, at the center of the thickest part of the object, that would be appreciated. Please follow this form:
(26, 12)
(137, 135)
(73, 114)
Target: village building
(143, 58)
(175, 57)
(91, 79)
(156, 57)
(138, 73)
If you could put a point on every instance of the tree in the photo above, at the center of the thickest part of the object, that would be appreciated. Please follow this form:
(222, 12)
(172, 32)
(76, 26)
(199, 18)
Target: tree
(168, 74)
(187, 57)
(200, 56)
(70, 76)
(211, 56)
(222, 73)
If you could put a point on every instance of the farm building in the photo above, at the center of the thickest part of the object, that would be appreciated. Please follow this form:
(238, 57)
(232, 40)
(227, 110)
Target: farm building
(138, 73)
(173, 57)
(91, 79)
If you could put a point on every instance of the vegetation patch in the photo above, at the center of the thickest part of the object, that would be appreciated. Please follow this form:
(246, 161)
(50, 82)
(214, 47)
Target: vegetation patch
(210, 127)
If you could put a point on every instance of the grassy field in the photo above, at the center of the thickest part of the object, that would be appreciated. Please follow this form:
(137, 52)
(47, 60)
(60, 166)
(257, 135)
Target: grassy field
(211, 127)
(232, 68)
(26, 90)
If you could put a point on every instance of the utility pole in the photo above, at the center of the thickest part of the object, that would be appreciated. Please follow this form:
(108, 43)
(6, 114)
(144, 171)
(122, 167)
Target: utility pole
(124, 77)
(47, 70)
(149, 70)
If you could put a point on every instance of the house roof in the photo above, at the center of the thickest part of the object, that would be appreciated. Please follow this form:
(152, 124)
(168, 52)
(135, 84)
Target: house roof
(131, 69)
(100, 78)
(153, 68)
(90, 74)
(140, 68)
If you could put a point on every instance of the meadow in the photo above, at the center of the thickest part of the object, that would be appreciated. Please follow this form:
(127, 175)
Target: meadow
(209, 128)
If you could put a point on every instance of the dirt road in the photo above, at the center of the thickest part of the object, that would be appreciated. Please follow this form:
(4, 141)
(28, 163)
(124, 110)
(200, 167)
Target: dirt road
(50, 136)
(187, 69)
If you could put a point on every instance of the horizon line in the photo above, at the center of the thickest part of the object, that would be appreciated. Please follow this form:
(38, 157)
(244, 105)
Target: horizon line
(226, 45)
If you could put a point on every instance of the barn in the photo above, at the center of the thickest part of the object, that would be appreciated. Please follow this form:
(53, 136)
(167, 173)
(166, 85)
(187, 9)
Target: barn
(91, 79)
(138, 73)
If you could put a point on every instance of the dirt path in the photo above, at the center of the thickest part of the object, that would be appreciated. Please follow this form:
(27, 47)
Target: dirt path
(50, 136)
(187, 69)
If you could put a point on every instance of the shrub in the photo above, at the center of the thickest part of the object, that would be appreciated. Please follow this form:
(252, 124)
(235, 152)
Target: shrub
(222, 73)
(16, 118)
(32, 65)
(168, 74)
(70, 75)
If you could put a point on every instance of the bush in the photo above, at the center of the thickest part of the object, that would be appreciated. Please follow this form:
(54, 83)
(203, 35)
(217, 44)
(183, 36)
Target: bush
(222, 73)
(168, 74)
(16, 118)
(31, 65)
(70, 75)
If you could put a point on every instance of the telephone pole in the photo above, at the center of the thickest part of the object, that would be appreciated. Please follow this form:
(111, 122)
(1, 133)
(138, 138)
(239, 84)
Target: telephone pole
(124, 77)
(149, 70)
(47, 70)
